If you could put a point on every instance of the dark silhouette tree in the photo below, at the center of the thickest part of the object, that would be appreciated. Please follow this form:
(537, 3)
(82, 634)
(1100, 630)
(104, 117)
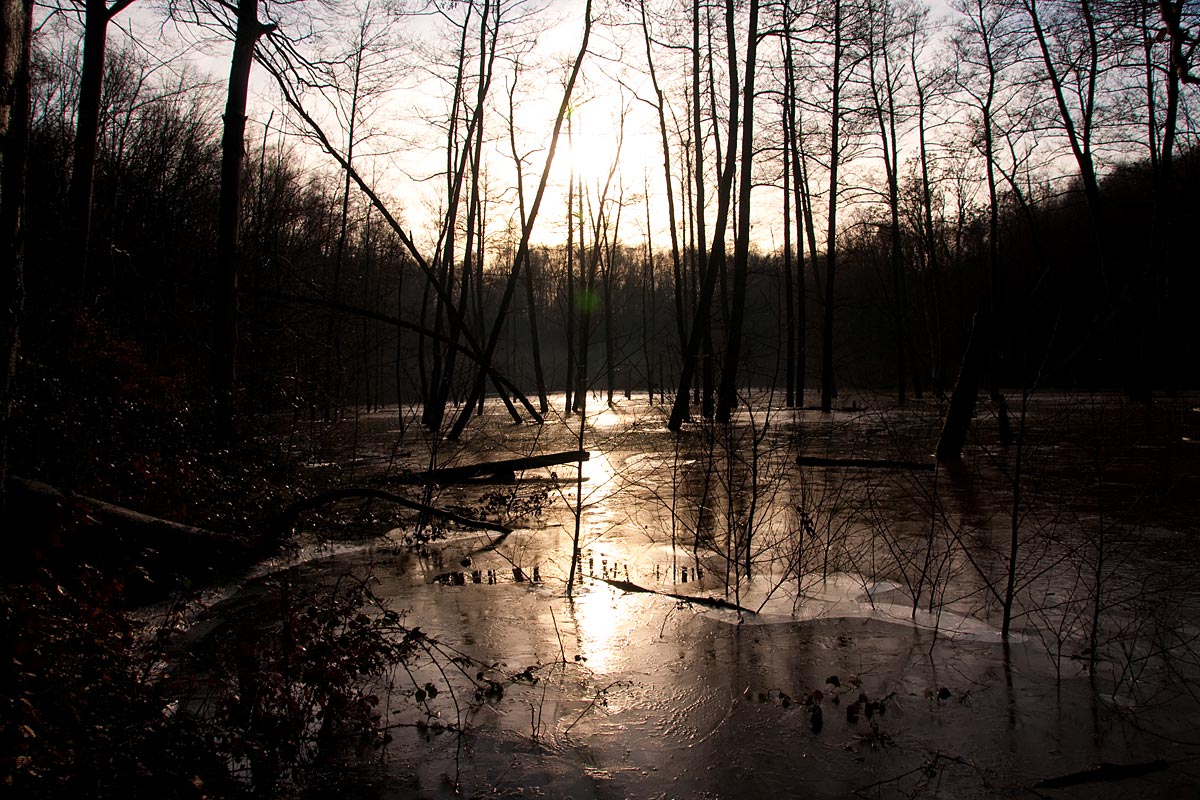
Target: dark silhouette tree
(727, 397)
(96, 16)
(714, 264)
(247, 31)
(16, 39)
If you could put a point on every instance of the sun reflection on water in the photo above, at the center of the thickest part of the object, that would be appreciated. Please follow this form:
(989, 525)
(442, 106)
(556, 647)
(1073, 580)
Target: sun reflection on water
(606, 419)
(601, 623)
(599, 476)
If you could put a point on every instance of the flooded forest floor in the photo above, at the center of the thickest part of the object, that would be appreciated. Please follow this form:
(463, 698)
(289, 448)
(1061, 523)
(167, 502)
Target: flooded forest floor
(735, 624)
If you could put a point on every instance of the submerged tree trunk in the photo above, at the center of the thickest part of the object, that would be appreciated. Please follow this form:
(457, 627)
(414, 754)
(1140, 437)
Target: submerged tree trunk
(966, 390)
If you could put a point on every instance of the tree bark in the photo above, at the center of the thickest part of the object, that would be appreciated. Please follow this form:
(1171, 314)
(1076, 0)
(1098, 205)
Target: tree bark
(96, 16)
(727, 398)
(16, 25)
(827, 378)
(233, 151)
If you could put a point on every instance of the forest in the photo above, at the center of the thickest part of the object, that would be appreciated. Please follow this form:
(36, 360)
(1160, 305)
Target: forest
(781, 284)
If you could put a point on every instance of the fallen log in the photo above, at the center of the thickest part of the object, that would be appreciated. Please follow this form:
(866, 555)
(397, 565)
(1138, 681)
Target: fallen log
(123, 519)
(710, 602)
(291, 515)
(148, 553)
(505, 469)
(1106, 772)
(864, 463)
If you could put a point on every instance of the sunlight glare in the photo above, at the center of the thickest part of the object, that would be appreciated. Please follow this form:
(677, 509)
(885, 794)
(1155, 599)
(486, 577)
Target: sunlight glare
(598, 619)
(607, 419)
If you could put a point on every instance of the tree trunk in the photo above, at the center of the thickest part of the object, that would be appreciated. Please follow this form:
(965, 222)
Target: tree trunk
(225, 312)
(16, 25)
(668, 184)
(741, 256)
(789, 302)
(700, 245)
(468, 160)
(799, 192)
(701, 320)
(96, 16)
(570, 315)
(827, 379)
(456, 163)
(334, 381)
(490, 347)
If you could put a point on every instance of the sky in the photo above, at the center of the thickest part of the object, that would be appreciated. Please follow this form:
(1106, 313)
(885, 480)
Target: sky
(403, 156)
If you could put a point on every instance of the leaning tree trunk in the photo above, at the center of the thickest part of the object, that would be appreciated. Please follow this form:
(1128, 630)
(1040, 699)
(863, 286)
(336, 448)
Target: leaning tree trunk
(701, 319)
(489, 348)
(966, 390)
(733, 350)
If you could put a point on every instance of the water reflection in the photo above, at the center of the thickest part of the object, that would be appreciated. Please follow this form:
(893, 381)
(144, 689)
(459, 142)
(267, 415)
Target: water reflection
(840, 557)
(607, 419)
(599, 478)
(601, 624)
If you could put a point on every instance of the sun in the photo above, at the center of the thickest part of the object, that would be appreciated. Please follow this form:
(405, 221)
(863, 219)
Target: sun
(600, 139)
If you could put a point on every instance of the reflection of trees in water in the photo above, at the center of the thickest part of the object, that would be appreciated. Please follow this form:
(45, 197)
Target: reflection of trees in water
(1090, 580)
(1104, 575)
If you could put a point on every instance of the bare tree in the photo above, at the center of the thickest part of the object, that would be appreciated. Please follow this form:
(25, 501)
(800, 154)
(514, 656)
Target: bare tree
(714, 264)
(888, 23)
(246, 32)
(727, 399)
(96, 16)
(363, 64)
(929, 82)
(986, 47)
(837, 84)
(530, 271)
(668, 183)
(510, 287)
(16, 38)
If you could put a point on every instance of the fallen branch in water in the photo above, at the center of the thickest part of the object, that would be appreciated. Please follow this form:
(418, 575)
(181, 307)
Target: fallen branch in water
(711, 602)
(1105, 772)
(291, 515)
(505, 469)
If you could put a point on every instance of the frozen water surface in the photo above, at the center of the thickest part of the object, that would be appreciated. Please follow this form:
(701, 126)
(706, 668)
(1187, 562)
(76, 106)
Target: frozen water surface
(867, 658)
